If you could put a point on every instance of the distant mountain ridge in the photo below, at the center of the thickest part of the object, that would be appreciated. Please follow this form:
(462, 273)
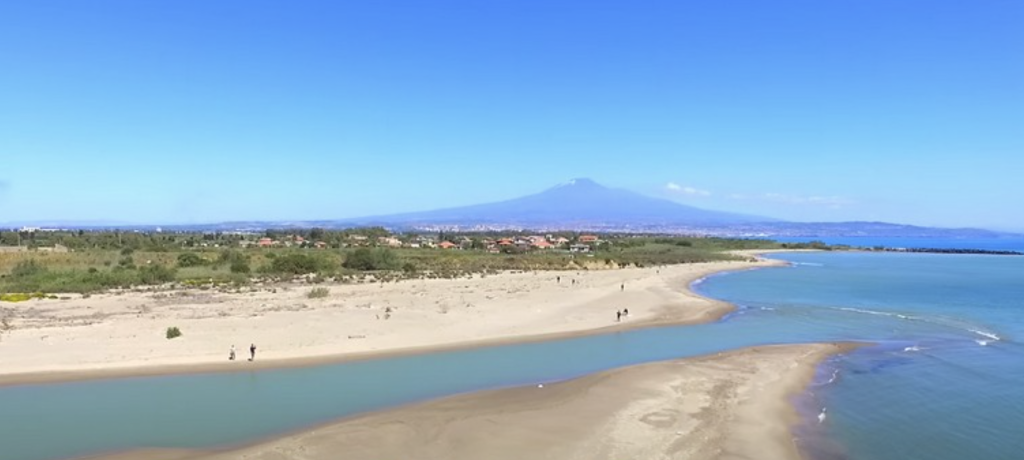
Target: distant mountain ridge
(579, 202)
(579, 205)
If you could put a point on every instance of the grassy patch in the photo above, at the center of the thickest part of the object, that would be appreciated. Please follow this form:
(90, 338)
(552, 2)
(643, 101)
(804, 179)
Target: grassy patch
(318, 293)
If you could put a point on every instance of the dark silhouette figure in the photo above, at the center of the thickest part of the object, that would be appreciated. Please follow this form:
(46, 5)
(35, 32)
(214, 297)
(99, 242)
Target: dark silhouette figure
(618, 316)
(252, 352)
(558, 279)
(231, 356)
(622, 287)
(625, 312)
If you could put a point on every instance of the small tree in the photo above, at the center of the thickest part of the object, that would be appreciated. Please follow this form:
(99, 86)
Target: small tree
(173, 332)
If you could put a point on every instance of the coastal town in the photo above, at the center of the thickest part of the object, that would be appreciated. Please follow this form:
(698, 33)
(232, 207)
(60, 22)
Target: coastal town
(581, 244)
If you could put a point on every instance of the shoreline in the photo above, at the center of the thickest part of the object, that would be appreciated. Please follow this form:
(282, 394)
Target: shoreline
(685, 307)
(780, 400)
(609, 409)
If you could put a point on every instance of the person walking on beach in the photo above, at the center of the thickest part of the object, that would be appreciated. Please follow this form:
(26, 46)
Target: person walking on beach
(618, 316)
(252, 352)
(558, 279)
(622, 287)
(231, 356)
(625, 312)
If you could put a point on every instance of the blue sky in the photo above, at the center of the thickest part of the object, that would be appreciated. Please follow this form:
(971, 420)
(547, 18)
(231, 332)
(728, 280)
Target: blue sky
(198, 111)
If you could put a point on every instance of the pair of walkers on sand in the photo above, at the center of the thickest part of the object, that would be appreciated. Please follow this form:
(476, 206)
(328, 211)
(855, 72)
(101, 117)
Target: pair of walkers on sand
(252, 353)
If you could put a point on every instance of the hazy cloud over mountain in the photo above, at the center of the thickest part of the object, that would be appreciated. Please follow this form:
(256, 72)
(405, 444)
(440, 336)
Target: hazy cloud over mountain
(833, 202)
(675, 188)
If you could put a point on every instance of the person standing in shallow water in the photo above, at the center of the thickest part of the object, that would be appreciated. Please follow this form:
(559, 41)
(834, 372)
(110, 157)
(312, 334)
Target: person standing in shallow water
(252, 352)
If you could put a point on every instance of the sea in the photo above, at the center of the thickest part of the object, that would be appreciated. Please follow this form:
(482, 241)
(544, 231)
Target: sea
(943, 377)
(940, 375)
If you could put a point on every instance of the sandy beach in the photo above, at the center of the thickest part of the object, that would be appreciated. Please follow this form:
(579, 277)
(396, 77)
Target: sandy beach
(124, 333)
(731, 405)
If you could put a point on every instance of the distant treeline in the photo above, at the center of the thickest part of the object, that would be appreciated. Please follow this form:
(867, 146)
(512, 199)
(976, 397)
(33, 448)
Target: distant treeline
(91, 261)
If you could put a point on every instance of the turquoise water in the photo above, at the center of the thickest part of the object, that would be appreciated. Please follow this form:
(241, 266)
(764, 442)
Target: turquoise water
(1007, 243)
(944, 383)
(947, 379)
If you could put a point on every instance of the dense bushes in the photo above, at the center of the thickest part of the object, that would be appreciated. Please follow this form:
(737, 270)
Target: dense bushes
(295, 264)
(156, 274)
(190, 259)
(29, 276)
(372, 260)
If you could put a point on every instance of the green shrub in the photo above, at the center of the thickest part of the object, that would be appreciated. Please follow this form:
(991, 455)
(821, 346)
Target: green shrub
(240, 266)
(318, 293)
(156, 274)
(190, 259)
(295, 264)
(173, 332)
(127, 263)
(375, 259)
(27, 269)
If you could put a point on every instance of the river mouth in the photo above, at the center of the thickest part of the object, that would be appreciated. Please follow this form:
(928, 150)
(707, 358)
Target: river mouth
(784, 305)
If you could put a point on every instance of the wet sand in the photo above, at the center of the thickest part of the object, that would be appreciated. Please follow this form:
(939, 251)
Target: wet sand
(733, 405)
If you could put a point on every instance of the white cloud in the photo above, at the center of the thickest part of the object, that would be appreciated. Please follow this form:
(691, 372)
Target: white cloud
(832, 202)
(685, 190)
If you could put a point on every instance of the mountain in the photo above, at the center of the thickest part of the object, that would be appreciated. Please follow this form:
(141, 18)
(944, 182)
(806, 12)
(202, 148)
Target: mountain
(581, 205)
(578, 203)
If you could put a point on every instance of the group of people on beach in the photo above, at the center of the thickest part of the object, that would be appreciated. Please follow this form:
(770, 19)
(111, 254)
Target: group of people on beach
(252, 353)
(619, 314)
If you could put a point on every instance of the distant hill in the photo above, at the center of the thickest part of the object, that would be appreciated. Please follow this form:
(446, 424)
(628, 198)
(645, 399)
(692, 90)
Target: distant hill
(580, 205)
(580, 202)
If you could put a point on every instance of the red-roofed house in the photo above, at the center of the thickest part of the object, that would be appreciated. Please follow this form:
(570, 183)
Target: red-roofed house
(265, 242)
(588, 239)
(542, 244)
(446, 245)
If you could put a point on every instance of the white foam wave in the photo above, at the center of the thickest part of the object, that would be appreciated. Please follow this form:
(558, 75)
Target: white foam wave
(987, 334)
(835, 375)
(989, 337)
(878, 313)
(808, 264)
(913, 349)
(822, 415)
